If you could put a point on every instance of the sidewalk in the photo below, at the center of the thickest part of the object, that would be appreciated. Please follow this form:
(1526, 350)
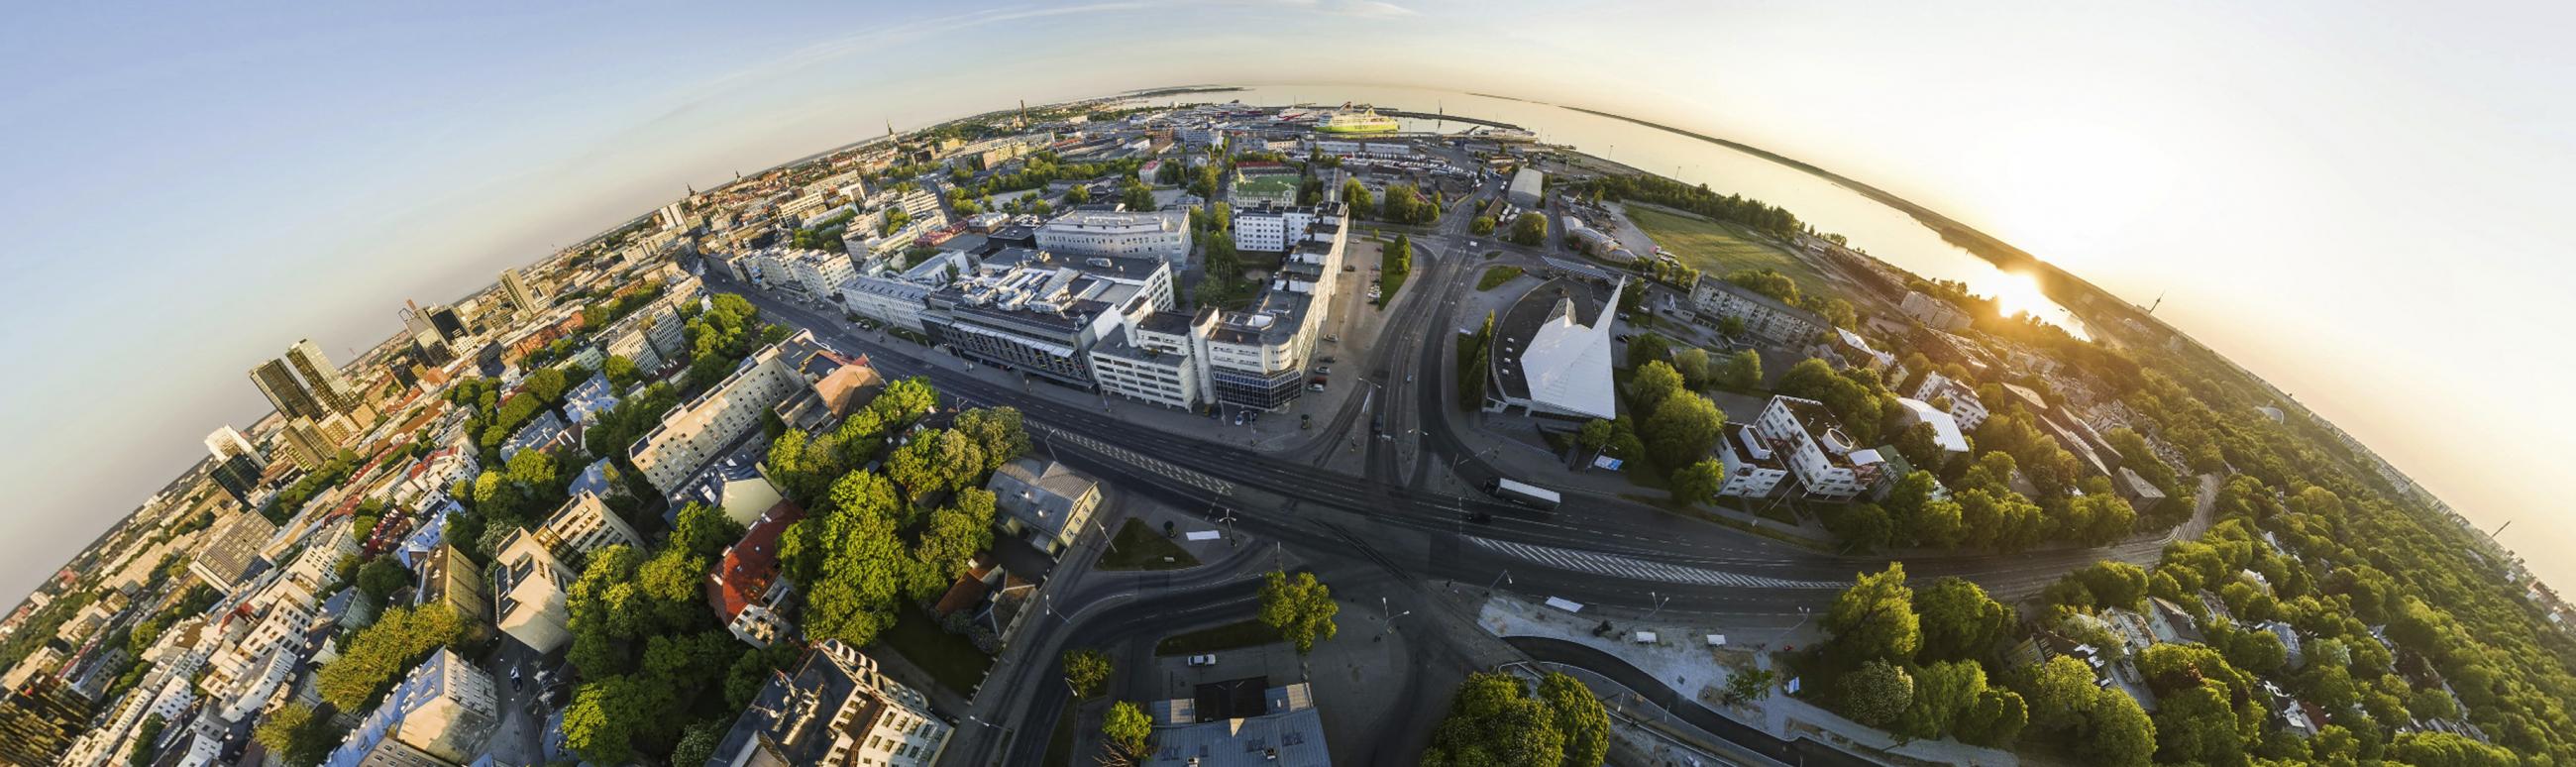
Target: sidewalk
(1681, 658)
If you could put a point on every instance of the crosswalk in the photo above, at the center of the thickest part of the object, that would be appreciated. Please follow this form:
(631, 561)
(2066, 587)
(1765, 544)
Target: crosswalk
(1146, 462)
(1617, 566)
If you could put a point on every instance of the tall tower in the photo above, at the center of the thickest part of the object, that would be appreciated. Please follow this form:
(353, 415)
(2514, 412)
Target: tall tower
(524, 297)
(284, 392)
(238, 464)
(322, 378)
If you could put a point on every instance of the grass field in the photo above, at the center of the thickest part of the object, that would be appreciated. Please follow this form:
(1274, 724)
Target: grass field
(948, 657)
(1282, 186)
(1718, 248)
(1227, 637)
(1496, 276)
(1138, 547)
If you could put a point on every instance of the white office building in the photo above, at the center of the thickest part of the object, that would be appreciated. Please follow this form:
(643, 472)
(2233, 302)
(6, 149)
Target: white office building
(1164, 235)
(693, 434)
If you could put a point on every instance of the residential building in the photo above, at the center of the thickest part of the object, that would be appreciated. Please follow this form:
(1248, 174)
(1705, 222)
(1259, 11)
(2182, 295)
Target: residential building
(1281, 729)
(810, 274)
(734, 485)
(1271, 228)
(448, 578)
(1164, 235)
(1527, 183)
(1945, 427)
(834, 709)
(443, 713)
(703, 428)
(590, 398)
(745, 589)
(1752, 470)
(233, 551)
(528, 593)
(651, 335)
(1551, 354)
(1807, 436)
(1763, 316)
(544, 432)
(1855, 351)
(1964, 407)
(1044, 502)
(1933, 312)
(584, 524)
(1255, 358)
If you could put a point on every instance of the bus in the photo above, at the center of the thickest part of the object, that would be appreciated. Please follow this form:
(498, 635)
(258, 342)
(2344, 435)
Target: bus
(1523, 493)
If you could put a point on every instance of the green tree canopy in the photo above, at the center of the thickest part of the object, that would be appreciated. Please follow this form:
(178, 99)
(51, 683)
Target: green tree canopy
(1874, 619)
(1299, 607)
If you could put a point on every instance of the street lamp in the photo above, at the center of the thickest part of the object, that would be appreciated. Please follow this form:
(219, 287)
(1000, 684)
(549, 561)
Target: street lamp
(1506, 577)
(1104, 535)
(1659, 604)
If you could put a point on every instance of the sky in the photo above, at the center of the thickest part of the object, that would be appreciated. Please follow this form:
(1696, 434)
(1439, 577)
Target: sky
(2362, 202)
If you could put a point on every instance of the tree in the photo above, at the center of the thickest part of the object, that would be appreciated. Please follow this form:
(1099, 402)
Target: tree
(2117, 733)
(1648, 347)
(146, 736)
(1579, 718)
(1730, 326)
(1399, 255)
(296, 735)
(1684, 427)
(621, 372)
(1944, 693)
(2060, 693)
(381, 653)
(1694, 365)
(1481, 226)
(1355, 195)
(1699, 482)
(381, 577)
(1653, 384)
(1078, 195)
(1874, 619)
(1594, 435)
(1300, 608)
(1530, 229)
(1748, 685)
(2442, 749)
(2114, 583)
(1862, 527)
(1877, 693)
(1127, 729)
(1085, 671)
(1494, 721)
(1959, 621)
(608, 715)
(1744, 370)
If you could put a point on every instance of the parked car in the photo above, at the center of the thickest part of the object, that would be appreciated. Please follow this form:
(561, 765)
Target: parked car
(1203, 660)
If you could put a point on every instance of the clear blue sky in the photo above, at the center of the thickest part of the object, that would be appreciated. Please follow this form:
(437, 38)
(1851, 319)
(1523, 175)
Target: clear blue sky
(2363, 202)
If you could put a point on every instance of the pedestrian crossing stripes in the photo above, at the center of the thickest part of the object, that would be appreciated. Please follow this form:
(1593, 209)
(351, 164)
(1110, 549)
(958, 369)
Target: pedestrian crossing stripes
(1146, 462)
(1617, 566)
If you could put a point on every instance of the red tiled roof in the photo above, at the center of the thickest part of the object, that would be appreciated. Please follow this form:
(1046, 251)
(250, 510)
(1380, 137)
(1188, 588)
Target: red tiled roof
(968, 591)
(752, 563)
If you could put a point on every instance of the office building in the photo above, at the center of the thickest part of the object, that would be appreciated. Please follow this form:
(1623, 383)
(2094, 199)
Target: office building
(237, 463)
(1271, 228)
(651, 336)
(891, 301)
(1255, 358)
(448, 577)
(305, 444)
(834, 709)
(1039, 313)
(322, 378)
(527, 299)
(284, 393)
(1763, 316)
(443, 713)
(39, 718)
(1164, 235)
(1826, 462)
(695, 433)
(807, 274)
(232, 550)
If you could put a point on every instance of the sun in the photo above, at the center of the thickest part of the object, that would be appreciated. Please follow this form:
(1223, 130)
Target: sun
(2019, 293)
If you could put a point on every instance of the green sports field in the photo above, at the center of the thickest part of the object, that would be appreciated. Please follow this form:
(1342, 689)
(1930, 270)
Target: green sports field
(1718, 248)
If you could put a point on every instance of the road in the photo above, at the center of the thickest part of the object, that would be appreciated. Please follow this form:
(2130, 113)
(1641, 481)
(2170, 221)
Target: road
(1385, 526)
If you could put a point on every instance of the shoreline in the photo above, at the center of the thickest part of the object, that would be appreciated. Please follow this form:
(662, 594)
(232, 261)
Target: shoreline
(2081, 297)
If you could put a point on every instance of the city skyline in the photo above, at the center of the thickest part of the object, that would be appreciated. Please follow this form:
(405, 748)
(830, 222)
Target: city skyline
(265, 234)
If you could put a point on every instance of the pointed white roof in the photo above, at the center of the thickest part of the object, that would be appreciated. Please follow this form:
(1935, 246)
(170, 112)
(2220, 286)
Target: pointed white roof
(1568, 363)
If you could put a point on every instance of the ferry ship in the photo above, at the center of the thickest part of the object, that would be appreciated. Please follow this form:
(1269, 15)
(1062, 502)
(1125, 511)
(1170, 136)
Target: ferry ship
(1355, 120)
